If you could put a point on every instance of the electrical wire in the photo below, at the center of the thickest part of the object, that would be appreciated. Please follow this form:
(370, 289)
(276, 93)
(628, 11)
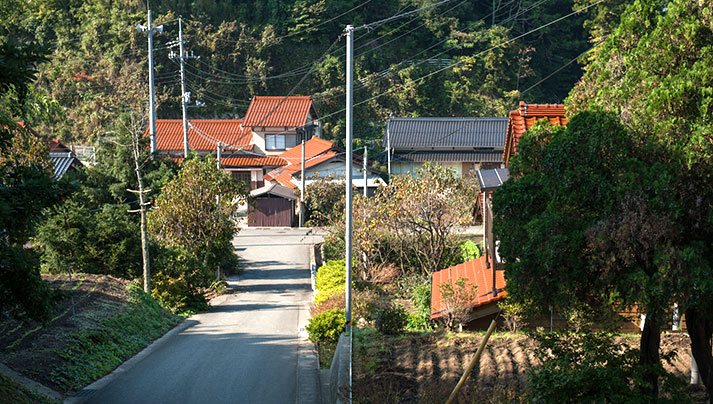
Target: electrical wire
(462, 61)
(372, 25)
(279, 38)
(562, 67)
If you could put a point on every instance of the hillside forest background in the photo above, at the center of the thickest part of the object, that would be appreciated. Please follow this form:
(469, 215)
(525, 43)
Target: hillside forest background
(460, 58)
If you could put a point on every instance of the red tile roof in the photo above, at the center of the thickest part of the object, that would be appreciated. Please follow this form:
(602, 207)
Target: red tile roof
(203, 134)
(274, 112)
(476, 273)
(522, 120)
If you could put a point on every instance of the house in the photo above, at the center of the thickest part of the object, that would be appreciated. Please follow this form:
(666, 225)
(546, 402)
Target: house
(487, 272)
(63, 159)
(322, 159)
(522, 119)
(462, 144)
(280, 123)
(238, 153)
(249, 147)
(275, 205)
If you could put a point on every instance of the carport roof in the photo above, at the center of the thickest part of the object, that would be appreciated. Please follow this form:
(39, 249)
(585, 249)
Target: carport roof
(274, 189)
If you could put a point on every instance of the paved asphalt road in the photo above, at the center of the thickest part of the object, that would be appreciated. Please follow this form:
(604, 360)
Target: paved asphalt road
(242, 351)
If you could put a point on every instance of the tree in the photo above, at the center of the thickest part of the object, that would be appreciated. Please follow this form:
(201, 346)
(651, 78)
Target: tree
(196, 210)
(585, 223)
(458, 300)
(422, 212)
(654, 73)
(27, 187)
(324, 201)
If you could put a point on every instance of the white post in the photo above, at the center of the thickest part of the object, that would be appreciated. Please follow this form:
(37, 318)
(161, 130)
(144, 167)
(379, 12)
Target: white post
(364, 169)
(388, 150)
(219, 153)
(348, 233)
(303, 191)
(183, 90)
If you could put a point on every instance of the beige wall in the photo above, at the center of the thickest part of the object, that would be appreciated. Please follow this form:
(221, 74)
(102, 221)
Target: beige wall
(403, 168)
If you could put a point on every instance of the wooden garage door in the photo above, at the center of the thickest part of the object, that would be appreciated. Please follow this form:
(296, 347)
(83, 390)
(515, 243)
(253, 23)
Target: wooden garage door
(271, 212)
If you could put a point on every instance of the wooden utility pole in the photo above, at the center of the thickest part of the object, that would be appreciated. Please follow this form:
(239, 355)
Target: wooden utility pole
(143, 204)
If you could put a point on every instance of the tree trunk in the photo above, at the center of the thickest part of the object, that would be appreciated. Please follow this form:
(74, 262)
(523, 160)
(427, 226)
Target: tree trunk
(700, 329)
(649, 356)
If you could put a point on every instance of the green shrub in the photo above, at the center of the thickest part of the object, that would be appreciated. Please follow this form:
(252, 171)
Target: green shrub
(391, 319)
(469, 251)
(179, 279)
(331, 279)
(326, 326)
(364, 304)
(594, 368)
(421, 299)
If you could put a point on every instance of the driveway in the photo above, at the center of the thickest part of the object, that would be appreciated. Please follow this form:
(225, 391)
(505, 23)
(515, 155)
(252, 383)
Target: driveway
(245, 349)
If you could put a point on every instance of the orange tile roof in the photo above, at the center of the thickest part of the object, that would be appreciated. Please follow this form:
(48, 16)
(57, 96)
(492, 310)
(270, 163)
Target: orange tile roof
(203, 134)
(313, 147)
(524, 118)
(289, 112)
(476, 273)
(294, 168)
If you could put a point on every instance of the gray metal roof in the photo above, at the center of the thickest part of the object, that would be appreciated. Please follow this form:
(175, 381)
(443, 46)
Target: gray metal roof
(445, 156)
(419, 133)
(62, 162)
(490, 180)
(274, 189)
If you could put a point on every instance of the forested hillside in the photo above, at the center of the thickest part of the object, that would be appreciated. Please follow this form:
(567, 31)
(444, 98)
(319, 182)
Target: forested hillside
(459, 58)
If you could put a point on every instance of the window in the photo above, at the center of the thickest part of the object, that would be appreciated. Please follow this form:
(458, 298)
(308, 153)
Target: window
(275, 142)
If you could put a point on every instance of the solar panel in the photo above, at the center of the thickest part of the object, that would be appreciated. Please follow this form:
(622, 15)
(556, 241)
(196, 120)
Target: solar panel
(492, 179)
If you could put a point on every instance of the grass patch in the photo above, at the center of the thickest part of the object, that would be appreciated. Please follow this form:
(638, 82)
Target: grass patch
(11, 392)
(325, 351)
(94, 353)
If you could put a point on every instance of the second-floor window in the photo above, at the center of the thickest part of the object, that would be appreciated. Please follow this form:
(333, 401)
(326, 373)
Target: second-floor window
(275, 142)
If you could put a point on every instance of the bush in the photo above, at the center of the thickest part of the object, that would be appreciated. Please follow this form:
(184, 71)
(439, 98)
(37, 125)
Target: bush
(594, 368)
(330, 279)
(326, 326)
(391, 319)
(364, 304)
(178, 280)
(469, 251)
(421, 298)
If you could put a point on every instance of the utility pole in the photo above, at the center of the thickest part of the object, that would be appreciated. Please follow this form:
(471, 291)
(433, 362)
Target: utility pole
(348, 233)
(152, 107)
(219, 146)
(303, 189)
(185, 96)
(364, 169)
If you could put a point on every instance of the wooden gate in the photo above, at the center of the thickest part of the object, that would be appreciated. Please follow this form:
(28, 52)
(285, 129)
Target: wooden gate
(271, 212)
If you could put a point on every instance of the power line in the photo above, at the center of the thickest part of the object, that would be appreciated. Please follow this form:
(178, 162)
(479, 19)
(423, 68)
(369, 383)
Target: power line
(462, 61)
(372, 25)
(562, 67)
(321, 58)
